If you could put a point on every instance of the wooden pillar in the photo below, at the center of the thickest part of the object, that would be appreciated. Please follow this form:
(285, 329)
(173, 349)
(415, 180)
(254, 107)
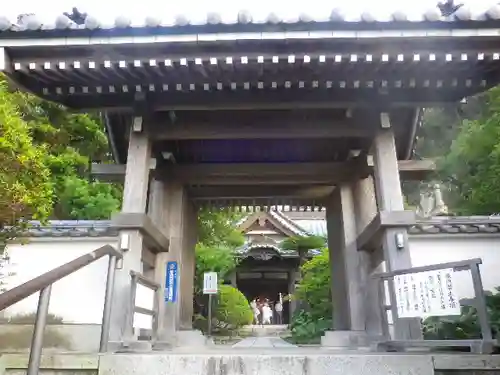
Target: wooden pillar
(293, 276)
(131, 241)
(183, 236)
(179, 219)
(158, 210)
(233, 279)
(347, 288)
(390, 198)
(365, 207)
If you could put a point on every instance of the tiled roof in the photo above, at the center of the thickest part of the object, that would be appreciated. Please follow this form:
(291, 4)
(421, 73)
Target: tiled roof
(457, 225)
(316, 225)
(243, 17)
(72, 228)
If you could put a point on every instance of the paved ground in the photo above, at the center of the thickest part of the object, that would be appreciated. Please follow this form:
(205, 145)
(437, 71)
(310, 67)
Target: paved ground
(263, 342)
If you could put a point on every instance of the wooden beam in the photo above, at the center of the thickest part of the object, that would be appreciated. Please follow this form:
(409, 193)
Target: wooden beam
(408, 169)
(259, 192)
(259, 125)
(266, 173)
(370, 237)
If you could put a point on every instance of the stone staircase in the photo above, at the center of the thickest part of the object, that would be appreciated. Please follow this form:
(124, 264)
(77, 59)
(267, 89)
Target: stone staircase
(270, 330)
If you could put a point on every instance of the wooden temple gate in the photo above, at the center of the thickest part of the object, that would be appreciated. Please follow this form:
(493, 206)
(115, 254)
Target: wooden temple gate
(309, 114)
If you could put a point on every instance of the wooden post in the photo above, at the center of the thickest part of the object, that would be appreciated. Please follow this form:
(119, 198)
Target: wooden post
(131, 241)
(158, 210)
(179, 221)
(390, 198)
(347, 288)
(365, 207)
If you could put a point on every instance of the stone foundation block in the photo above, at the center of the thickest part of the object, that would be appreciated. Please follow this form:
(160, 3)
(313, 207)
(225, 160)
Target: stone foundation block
(345, 339)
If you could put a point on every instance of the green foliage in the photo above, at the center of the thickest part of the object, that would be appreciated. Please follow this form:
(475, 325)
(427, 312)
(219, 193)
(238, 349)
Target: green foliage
(212, 259)
(302, 244)
(81, 199)
(314, 287)
(307, 329)
(233, 310)
(66, 144)
(217, 227)
(472, 167)
(465, 326)
(314, 291)
(214, 252)
(26, 189)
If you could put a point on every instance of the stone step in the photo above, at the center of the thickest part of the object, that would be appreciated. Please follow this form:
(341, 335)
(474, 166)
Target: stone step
(251, 361)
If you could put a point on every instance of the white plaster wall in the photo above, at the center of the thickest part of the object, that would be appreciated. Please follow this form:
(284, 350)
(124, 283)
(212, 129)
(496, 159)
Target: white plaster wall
(79, 297)
(434, 249)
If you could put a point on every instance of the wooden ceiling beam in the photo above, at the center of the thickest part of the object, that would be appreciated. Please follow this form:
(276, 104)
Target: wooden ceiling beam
(266, 173)
(246, 126)
(246, 174)
(259, 192)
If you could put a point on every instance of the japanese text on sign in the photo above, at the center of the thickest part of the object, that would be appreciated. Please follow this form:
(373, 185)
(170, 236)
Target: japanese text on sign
(210, 283)
(425, 294)
(171, 282)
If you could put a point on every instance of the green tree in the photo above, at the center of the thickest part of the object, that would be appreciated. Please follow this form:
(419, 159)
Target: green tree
(314, 287)
(302, 244)
(26, 188)
(217, 227)
(472, 167)
(314, 290)
(213, 259)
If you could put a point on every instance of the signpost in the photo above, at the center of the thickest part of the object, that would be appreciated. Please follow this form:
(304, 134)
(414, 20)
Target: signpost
(210, 287)
(171, 282)
(424, 294)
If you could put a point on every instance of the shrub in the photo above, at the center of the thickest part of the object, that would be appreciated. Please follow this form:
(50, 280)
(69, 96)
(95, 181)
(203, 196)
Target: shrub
(465, 326)
(308, 329)
(314, 287)
(314, 293)
(233, 310)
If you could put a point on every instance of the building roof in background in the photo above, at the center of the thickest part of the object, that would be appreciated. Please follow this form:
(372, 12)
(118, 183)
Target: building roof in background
(257, 20)
(313, 223)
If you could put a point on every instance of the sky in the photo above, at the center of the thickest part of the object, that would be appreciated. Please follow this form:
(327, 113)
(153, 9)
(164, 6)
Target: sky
(107, 10)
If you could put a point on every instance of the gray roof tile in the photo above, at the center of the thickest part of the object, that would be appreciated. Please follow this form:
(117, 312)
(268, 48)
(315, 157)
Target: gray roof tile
(246, 17)
(313, 225)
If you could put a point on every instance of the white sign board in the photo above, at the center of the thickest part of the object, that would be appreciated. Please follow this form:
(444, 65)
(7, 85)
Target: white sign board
(424, 294)
(210, 285)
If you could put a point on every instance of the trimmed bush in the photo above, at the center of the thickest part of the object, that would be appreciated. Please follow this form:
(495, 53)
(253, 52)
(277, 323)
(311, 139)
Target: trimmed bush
(233, 309)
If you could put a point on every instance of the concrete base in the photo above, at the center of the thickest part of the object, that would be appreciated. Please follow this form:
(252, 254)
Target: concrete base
(129, 346)
(296, 361)
(183, 339)
(345, 339)
(191, 338)
(268, 364)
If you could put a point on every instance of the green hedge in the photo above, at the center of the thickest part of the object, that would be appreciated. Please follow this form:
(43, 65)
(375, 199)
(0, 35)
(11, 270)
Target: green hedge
(233, 308)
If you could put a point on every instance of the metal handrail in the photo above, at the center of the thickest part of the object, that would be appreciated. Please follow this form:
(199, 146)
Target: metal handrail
(43, 284)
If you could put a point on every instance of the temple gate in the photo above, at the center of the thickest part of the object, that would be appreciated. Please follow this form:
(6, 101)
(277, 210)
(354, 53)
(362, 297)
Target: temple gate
(309, 114)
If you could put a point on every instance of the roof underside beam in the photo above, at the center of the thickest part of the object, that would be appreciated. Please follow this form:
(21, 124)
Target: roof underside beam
(268, 174)
(259, 125)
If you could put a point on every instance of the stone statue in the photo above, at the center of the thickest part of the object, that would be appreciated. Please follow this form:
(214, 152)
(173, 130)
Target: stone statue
(432, 203)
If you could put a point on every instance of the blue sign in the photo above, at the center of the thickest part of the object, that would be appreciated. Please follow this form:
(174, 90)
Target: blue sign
(171, 282)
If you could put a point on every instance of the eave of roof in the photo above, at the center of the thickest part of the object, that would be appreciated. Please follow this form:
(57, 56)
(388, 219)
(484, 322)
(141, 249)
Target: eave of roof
(433, 226)
(249, 21)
